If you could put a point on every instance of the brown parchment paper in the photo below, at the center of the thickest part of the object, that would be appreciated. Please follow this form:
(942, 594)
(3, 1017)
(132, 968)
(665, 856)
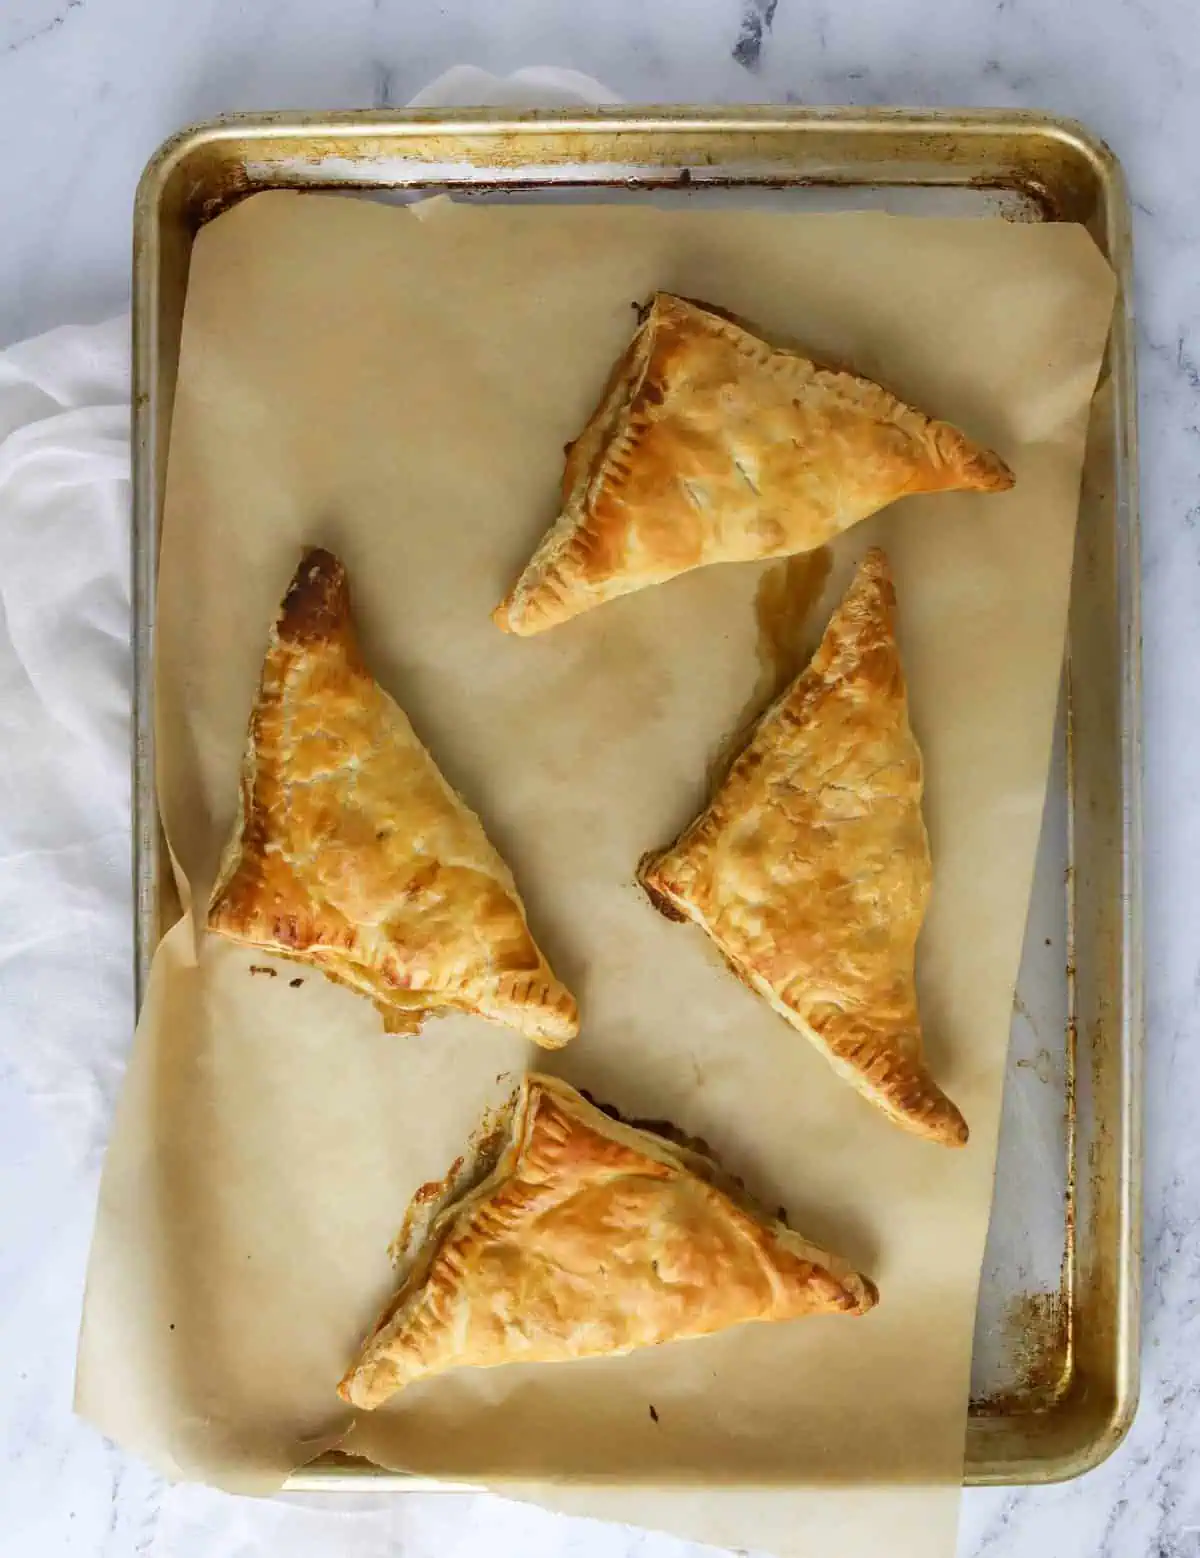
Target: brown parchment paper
(398, 386)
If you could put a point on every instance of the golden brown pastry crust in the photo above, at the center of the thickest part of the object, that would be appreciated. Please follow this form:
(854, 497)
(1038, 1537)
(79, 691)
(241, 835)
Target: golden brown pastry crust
(352, 853)
(710, 446)
(810, 869)
(590, 1238)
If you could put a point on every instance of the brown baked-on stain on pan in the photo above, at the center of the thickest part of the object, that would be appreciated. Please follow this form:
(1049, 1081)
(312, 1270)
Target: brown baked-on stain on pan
(710, 446)
(351, 852)
(810, 868)
(590, 1238)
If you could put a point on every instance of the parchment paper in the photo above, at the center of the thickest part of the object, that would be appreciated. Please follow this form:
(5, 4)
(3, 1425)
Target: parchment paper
(398, 386)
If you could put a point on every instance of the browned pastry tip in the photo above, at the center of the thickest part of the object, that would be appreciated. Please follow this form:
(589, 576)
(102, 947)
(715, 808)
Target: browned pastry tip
(965, 465)
(317, 603)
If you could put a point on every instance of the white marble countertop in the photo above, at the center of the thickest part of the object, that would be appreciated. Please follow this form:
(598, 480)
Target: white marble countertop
(88, 88)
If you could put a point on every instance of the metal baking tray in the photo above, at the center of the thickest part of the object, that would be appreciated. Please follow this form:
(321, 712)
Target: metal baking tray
(1055, 1370)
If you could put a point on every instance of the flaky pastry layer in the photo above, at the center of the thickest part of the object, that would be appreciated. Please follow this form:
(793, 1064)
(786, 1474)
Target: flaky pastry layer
(590, 1238)
(351, 852)
(711, 446)
(810, 869)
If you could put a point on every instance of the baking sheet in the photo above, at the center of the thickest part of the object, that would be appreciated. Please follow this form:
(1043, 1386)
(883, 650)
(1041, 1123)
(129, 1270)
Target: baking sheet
(400, 390)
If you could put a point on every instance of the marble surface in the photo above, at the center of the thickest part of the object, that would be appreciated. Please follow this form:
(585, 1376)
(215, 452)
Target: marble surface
(88, 88)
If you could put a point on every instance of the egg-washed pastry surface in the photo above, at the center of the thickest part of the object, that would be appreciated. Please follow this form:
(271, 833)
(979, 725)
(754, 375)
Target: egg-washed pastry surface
(711, 446)
(590, 1238)
(352, 853)
(810, 868)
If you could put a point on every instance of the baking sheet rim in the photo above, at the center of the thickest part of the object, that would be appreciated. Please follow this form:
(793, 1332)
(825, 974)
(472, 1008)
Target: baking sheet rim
(149, 861)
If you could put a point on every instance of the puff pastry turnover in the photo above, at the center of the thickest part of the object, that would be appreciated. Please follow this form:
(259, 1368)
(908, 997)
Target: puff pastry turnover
(590, 1238)
(352, 853)
(709, 446)
(810, 869)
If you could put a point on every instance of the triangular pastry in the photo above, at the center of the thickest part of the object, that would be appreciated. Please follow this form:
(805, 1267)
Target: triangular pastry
(352, 853)
(590, 1238)
(810, 868)
(709, 446)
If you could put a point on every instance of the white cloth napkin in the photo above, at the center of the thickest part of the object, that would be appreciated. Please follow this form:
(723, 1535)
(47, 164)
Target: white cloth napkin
(66, 991)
